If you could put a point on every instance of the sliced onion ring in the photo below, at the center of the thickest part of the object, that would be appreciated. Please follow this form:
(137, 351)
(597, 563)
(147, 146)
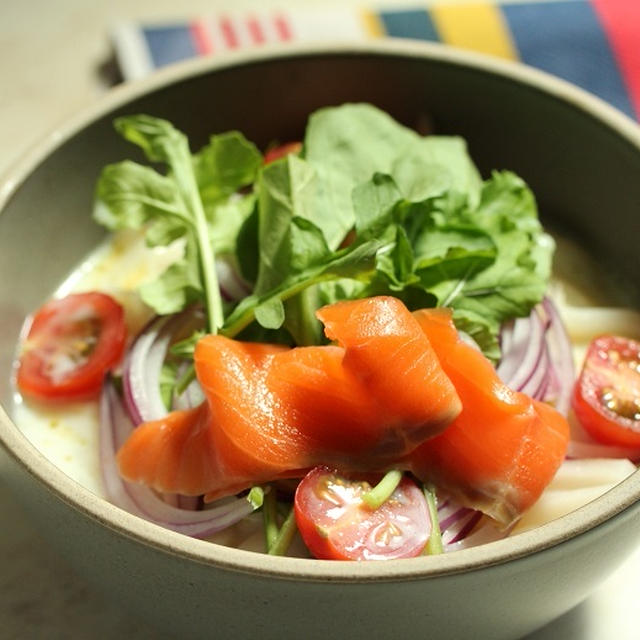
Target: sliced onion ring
(115, 426)
(537, 357)
(143, 366)
(525, 339)
(459, 525)
(561, 358)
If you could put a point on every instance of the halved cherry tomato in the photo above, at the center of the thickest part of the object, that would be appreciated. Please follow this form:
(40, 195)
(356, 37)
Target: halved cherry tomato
(336, 525)
(606, 397)
(282, 150)
(71, 344)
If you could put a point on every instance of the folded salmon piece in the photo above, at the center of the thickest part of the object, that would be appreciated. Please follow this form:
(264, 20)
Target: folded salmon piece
(503, 449)
(272, 412)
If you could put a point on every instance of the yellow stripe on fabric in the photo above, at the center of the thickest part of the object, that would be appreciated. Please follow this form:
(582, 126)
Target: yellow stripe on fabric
(373, 26)
(476, 26)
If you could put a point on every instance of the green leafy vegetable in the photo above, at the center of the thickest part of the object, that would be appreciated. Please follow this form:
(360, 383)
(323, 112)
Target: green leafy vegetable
(186, 204)
(355, 261)
(347, 145)
(168, 376)
(255, 497)
(368, 207)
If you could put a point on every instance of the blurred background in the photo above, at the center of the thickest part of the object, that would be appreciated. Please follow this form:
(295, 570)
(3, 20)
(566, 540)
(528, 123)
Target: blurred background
(58, 56)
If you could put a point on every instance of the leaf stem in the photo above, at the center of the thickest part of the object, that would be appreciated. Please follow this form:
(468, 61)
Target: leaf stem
(285, 535)
(377, 496)
(434, 544)
(185, 379)
(186, 180)
(245, 318)
(270, 518)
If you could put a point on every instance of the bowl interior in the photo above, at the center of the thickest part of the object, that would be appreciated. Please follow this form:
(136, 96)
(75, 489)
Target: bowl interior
(581, 159)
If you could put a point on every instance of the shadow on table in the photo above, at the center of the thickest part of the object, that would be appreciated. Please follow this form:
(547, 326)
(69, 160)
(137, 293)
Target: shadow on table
(574, 624)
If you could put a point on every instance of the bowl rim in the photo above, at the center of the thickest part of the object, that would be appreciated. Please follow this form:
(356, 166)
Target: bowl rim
(55, 481)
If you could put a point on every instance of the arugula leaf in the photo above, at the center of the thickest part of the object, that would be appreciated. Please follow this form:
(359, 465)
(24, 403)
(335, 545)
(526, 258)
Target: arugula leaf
(347, 145)
(422, 225)
(289, 242)
(489, 263)
(129, 195)
(228, 163)
(351, 262)
(373, 205)
(192, 202)
(226, 220)
(288, 235)
(435, 165)
(270, 313)
(255, 497)
(294, 254)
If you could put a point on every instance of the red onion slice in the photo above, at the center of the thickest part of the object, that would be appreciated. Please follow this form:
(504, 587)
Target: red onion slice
(143, 366)
(538, 381)
(115, 426)
(561, 356)
(537, 357)
(515, 344)
(484, 531)
(526, 345)
(460, 525)
(464, 527)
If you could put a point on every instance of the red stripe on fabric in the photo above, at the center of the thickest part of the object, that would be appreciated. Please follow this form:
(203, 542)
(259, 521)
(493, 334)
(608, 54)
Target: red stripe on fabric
(201, 37)
(255, 30)
(282, 27)
(228, 33)
(621, 22)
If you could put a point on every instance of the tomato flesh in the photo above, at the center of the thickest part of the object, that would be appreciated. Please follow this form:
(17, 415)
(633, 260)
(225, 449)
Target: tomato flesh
(280, 151)
(606, 397)
(336, 525)
(71, 344)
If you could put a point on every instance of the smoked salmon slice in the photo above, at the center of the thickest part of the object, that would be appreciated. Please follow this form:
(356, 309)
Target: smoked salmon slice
(273, 412)
(503, 449)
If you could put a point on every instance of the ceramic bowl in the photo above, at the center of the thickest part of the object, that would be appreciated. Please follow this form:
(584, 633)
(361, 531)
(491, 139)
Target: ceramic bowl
(582, 160)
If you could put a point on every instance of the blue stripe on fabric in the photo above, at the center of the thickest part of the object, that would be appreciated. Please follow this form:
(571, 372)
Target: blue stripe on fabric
(409, 24)
(169, 44)
(566, 39)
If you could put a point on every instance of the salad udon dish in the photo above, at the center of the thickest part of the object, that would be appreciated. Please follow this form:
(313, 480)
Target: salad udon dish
(511, 118)
(346, 347)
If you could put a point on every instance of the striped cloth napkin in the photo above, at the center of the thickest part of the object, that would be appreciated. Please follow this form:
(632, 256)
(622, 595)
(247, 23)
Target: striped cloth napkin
(592, 43)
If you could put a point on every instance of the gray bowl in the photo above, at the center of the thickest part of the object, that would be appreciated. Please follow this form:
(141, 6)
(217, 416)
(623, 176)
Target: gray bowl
(583, 161)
